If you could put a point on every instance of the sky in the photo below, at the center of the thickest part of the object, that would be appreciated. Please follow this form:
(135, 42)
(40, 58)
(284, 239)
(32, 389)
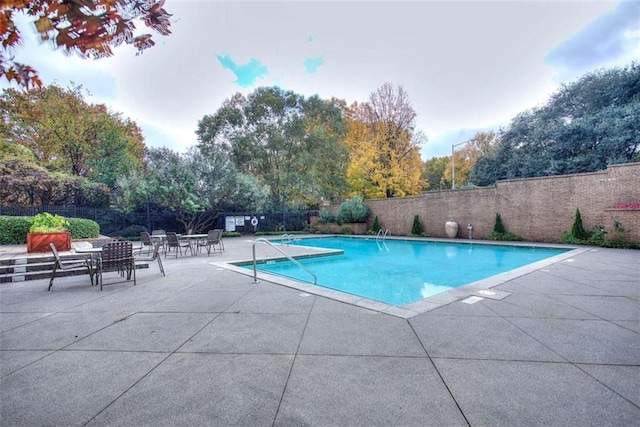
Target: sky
(467, 66)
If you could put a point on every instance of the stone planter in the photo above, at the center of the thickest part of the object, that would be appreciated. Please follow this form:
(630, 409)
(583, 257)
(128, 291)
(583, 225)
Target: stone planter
(451, 229)
(39, 242)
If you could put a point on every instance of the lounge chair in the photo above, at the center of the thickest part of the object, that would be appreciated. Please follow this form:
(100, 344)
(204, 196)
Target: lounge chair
(68, 265)
(152, 257)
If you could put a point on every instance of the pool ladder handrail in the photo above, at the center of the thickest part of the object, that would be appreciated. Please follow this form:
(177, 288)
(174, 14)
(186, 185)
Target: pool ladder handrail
(263, 240)
(383, 232)
(287, 238)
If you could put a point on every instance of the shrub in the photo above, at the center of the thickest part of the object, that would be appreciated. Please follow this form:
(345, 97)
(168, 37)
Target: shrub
(619, 234)
(504, 237)
(14, 229)
(597, 238)
(375, 227)
(498, 227)
(327, 216)
(133, 231)
(346, 230)
(577, 229)
(44, 222)
(500, 233)
(353, 210)
(416, 228)
(81, 228)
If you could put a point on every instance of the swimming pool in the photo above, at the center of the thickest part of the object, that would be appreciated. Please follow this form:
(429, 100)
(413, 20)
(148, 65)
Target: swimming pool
(401, 272)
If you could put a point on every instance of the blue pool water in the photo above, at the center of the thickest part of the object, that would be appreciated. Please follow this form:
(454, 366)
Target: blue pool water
(400, 272)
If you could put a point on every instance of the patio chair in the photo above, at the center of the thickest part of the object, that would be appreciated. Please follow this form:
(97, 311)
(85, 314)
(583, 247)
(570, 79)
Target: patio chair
(101, 242)
(214, 238)
(68, 265)
(154, 255)
(116, 256)
(146, 241)
(173, 242)
(221, 239)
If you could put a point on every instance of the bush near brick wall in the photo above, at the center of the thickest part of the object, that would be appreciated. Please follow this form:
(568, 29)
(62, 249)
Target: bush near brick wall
(334, 228)
(537, 209)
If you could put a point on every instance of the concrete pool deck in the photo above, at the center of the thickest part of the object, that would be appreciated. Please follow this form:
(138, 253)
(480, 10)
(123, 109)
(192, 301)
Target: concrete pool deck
(204, 345)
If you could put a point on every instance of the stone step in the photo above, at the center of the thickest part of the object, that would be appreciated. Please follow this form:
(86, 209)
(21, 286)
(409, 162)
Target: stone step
(24, 268)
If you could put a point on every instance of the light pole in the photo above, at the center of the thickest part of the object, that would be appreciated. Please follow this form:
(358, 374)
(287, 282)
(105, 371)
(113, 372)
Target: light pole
(453, 163)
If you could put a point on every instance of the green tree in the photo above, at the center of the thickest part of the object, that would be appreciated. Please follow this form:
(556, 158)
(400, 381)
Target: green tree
(433, 173)
(70, 136)
(292, 144)
(24, 181)
(585, 126)
(191, 185)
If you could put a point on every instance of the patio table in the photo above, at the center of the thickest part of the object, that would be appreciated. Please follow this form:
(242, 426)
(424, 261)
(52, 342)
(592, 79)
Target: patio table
(193, 239)
(97, 250)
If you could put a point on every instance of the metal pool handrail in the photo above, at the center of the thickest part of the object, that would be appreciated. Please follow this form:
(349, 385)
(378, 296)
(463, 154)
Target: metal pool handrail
(255, 270)
(287, 238)
(383, 232)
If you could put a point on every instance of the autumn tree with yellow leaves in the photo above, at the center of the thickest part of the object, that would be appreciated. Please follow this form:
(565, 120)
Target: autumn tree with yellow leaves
(384, 146)
(481, 144)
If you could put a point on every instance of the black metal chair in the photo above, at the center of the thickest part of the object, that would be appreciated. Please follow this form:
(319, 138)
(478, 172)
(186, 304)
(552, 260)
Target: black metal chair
(75, 264)
(116, 256)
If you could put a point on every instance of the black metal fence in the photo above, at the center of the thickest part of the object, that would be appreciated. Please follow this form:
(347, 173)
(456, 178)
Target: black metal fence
(114, 223)
(251, 222)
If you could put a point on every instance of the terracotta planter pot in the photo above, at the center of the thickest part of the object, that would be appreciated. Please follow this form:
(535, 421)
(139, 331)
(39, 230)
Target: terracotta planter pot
(39, 242)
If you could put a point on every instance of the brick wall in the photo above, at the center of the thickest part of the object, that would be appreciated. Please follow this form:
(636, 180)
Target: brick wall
(538, 209)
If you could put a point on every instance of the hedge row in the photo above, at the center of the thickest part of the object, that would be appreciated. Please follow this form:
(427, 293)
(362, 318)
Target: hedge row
(14, 229)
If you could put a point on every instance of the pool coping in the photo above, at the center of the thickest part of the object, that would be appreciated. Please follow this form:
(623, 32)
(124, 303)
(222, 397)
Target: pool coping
(474, 291)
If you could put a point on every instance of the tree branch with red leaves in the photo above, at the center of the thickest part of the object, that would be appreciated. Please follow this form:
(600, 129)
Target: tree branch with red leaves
(88, 28)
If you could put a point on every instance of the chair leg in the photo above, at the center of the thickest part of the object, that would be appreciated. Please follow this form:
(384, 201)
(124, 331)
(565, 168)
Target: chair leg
(90, 268)
(160, 265)
(53, 274)
(133, 267)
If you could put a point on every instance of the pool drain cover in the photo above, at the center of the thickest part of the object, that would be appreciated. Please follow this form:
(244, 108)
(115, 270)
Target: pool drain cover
(472, 300)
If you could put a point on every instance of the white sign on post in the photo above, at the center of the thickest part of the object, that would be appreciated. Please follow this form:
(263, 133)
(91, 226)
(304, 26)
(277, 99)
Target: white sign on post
(230, 223)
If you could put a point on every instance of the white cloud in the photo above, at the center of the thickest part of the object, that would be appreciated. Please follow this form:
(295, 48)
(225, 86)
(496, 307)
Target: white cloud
(465, 65)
